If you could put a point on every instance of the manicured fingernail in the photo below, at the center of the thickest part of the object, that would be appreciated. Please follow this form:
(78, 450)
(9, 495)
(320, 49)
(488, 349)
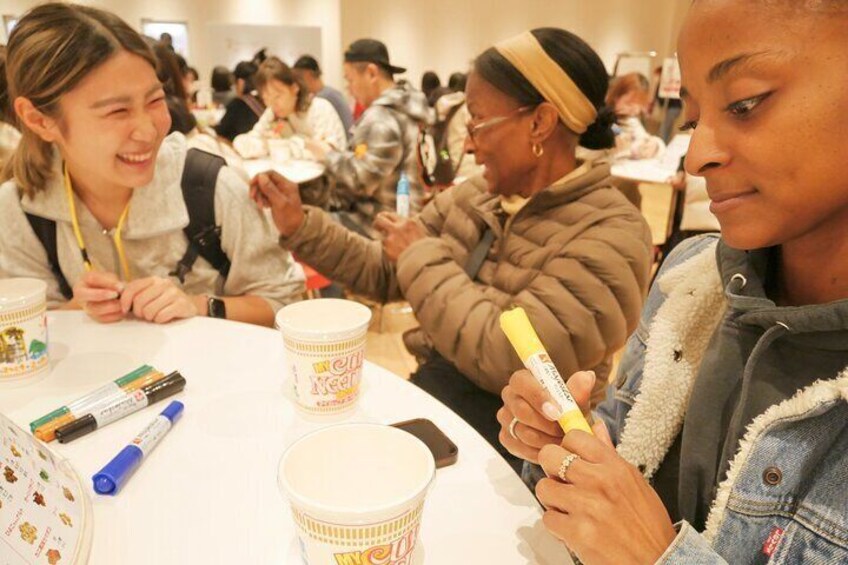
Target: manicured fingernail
(550, 411)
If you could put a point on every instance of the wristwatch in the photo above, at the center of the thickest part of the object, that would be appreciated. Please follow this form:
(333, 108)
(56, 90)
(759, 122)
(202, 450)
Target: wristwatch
(217, 308)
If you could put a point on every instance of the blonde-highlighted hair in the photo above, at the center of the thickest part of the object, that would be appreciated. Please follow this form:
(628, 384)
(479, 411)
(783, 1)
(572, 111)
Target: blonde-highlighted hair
(52, 48)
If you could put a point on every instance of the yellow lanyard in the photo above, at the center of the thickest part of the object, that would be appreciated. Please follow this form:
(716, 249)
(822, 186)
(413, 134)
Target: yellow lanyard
(116, 237)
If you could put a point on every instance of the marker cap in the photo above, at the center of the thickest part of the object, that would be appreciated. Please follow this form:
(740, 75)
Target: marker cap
(113, 476)
(76, 429)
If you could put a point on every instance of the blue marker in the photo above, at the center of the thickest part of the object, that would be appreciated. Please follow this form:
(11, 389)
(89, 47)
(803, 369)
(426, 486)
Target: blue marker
(112, 477)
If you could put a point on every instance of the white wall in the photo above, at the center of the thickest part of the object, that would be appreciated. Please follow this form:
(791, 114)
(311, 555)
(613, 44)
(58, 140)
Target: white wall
(444, 35)
(440, 35)
(200, 13)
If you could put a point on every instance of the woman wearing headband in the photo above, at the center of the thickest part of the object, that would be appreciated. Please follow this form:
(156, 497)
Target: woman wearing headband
(538, 229)
(729, 416)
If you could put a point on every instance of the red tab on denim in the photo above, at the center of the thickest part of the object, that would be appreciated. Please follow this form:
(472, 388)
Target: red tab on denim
(770, 546)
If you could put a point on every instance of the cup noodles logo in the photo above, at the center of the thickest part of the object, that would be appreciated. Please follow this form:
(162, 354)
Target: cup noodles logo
(338, 376)
(399, 552)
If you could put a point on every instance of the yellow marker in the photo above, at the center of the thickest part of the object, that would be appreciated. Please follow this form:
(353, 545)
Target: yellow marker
(516, 325)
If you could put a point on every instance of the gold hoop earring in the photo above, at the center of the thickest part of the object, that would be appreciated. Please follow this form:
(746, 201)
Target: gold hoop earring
(537, 149)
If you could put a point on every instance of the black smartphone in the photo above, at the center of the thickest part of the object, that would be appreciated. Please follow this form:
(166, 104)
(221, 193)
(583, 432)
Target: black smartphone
(444, 450)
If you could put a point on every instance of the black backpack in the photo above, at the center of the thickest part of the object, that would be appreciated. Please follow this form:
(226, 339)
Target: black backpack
(198, 184)
(434, 160)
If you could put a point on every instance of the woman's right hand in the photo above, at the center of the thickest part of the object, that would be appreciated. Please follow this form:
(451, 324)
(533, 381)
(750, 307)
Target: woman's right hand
(526, 400)
(272, 190)
(98, 293)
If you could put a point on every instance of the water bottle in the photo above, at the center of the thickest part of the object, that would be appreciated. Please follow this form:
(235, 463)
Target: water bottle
(402, 201)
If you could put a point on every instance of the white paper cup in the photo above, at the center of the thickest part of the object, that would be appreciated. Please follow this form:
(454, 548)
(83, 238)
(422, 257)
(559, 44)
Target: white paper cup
(325, 350)
(357, 493)
(23, 330)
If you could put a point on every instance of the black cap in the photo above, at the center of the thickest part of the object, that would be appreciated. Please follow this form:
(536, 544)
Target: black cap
(371, 51)
(163, 388)
(77, 428)
(307, 63)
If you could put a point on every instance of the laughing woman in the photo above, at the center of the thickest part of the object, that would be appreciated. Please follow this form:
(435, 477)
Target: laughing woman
(93, 202)
(730, 412)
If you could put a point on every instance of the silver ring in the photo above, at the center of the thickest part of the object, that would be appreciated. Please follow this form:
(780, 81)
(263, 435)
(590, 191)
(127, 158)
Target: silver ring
(511, 429)
(567, 461)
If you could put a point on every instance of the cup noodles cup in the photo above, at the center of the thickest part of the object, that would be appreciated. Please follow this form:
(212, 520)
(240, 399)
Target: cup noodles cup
(325, 349)
(356, 493)
(23, 330)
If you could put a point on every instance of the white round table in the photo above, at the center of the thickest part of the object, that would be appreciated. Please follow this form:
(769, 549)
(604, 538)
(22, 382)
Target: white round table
(208, 493)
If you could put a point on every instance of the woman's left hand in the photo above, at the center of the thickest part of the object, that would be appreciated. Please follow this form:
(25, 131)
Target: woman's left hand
(398, 233)
(158, 300)
(605, 511)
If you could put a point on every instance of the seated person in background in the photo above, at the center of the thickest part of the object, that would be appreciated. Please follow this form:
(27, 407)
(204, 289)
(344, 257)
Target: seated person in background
(307, 69)
(730, 413)
(244, 110)
(430, 83)
(292, 115)
(93, 200)
(222, 86)
(384, 140)
(456, 83)
(630, 97)
(451, 118)
(182, 119)
(539, 229)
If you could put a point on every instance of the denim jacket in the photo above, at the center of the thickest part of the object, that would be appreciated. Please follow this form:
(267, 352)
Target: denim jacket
(785, 498)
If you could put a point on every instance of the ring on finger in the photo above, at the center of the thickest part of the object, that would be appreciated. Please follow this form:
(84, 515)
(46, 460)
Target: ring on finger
(511, 428)
(567, 461)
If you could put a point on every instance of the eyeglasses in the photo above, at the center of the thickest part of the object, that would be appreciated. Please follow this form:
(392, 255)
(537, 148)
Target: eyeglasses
(473, 129)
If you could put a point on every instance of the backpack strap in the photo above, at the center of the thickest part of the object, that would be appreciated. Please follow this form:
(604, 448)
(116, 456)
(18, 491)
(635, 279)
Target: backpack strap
(204, 236)
(475, 260)
(45, 231)
(253, 103)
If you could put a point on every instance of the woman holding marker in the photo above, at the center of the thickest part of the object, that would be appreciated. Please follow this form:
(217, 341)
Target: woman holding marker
(94, 200)
(725, 436)
(539, 229)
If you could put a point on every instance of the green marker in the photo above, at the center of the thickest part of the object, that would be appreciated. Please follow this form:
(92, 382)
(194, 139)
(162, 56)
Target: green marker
(80, 405)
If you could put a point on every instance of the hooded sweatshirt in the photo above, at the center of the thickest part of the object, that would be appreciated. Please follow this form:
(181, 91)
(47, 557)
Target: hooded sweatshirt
(759, 356)
(383, 145)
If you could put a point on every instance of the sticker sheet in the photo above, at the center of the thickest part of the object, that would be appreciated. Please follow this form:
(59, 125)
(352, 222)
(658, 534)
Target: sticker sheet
(41, 506)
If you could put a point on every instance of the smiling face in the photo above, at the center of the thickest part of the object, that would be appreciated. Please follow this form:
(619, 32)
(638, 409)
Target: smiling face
(765, 90)
(504, 148)
(112, 124)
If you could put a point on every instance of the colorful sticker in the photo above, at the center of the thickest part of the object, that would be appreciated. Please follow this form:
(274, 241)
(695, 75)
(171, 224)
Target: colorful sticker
(53, 556)
(66, 519)
(68, 494)
(9, 474)
(38, 498)
(29, 533)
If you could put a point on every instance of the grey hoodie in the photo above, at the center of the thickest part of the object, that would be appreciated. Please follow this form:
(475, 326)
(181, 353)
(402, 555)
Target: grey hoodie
(759, 355)
(383, 144)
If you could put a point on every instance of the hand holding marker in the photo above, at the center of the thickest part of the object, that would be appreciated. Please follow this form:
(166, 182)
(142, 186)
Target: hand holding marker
(516, 325)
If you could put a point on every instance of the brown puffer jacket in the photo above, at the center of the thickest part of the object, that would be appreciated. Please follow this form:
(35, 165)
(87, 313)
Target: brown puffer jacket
(576, 257)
